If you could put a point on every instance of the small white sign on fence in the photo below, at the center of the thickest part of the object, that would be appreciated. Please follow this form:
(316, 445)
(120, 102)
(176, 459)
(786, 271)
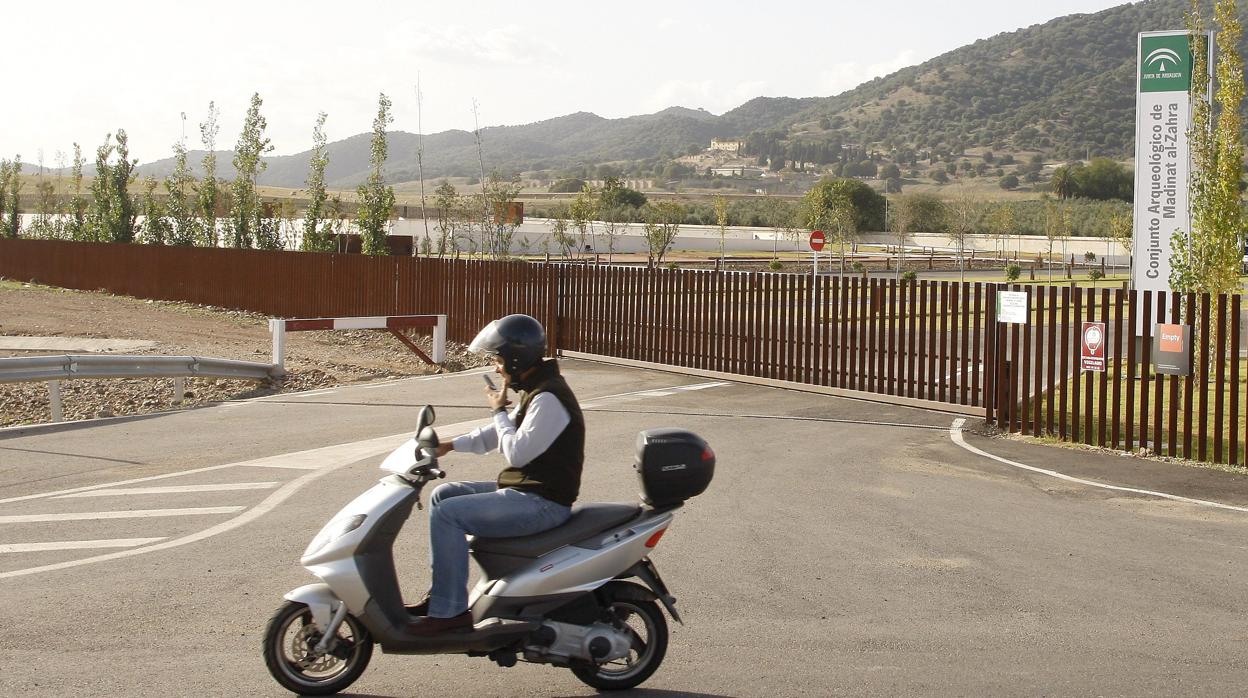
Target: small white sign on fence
(1012, 307)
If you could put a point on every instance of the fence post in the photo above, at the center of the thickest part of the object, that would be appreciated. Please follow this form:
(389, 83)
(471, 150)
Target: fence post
(278, 329)
(54, 401)
(179, 389)
(439, 340)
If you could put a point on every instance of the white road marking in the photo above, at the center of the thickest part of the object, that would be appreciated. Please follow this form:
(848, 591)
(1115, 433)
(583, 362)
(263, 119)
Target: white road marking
(75, 545)
(335, 455)
(955, 433)
(655, 393)
(318, 461)
(180, 473)
(134, 514)
(174, 489)
(644, 393)
(287, 466)
(703, 386)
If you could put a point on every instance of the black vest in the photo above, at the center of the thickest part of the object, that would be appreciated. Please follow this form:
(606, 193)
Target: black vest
(556, 473)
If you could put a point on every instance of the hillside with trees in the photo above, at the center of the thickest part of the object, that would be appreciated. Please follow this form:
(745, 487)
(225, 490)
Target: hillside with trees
(1061, 90)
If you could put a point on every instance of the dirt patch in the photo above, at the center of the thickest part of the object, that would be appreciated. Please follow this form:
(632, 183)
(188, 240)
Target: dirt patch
(313, 359)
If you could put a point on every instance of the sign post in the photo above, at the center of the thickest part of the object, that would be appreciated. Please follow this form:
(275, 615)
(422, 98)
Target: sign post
(817, 241)
(1163, 109)
(1092, 347)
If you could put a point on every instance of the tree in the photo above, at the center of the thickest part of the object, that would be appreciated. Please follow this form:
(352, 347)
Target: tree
(47, 223)
(500, 195)
(1103, 179)
(183, 225)
(662, 223)
(156, 228)
(314, 238)
(1056, 227)
(1120, 231)
(867, 204)
(376, 198)
(915, 212)
(1064, 183)
(247, 218)
(1001, 223)
(112, 212)
(721, 219)
(567, 185)
(76, 227)
(10, 185)
(559, 228)
(615, 194)
(962, 212)
(1206, 259)
(446, 200)
(581, 212)
(1009, 182)
(209, 192)
(610, 201)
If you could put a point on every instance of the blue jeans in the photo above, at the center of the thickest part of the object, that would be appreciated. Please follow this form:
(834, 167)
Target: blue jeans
(458, 509)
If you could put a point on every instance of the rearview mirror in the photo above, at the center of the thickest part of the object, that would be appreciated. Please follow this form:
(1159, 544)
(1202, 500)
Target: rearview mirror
(425, 418)
(427, 438)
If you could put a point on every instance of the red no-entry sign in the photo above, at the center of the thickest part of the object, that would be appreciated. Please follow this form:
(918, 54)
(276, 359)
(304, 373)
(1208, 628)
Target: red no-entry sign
(817, 240)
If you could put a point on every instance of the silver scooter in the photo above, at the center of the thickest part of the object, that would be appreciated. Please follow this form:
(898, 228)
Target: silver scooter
(556, 597)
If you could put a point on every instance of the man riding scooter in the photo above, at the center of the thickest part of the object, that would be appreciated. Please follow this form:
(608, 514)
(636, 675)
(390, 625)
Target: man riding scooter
(543, 442)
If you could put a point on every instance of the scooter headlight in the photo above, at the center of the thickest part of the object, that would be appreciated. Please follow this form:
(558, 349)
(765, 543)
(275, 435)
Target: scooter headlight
(333, 531)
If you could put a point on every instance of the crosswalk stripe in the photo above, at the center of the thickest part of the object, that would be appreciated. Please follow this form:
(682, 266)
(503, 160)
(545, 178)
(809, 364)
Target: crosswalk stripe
(75, 545)
(703, 386)
(135, 514)
(173, 489)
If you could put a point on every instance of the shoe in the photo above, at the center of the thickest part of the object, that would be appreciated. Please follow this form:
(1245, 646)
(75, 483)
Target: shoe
(420, 608)
(432, 625)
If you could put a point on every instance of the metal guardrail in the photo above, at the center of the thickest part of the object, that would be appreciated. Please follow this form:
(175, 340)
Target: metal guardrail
(69, 366)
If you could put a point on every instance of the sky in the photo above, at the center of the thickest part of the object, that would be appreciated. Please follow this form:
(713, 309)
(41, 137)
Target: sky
(75, 70)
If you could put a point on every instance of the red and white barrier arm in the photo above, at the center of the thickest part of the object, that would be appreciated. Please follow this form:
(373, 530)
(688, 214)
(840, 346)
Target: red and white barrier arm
(393, 323)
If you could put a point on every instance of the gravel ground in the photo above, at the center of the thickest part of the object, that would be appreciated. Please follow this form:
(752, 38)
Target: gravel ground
(313, 359)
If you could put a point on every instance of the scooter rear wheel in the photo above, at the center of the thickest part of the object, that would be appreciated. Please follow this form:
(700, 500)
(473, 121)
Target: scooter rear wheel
(648, 626)
(288, 642)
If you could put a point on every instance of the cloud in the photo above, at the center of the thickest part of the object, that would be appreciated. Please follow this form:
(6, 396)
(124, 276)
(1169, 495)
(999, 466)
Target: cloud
(840, 77)
(505, 46)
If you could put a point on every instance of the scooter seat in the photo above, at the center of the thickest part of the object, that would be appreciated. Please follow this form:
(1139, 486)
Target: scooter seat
(586, 520)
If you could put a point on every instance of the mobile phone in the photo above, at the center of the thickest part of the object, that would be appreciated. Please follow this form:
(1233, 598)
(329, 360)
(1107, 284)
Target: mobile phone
(489, 383)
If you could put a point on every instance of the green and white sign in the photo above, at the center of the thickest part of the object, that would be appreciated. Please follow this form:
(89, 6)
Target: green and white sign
(1165, 63)
(1162, 157)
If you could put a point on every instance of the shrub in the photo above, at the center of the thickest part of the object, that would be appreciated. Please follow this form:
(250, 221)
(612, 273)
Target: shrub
(1096, 274)
(775, 265)
(1013, 271)
(1089, 256)
(910, 275)
(858, 267)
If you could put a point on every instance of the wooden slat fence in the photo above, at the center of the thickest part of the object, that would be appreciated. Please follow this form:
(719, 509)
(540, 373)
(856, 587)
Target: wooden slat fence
(936, 341)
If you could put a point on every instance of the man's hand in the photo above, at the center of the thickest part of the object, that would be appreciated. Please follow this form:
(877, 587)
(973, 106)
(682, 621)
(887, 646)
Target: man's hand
(444, 448)
(498, 400)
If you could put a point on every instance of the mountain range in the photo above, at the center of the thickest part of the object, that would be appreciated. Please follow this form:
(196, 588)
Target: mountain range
(1065, 88)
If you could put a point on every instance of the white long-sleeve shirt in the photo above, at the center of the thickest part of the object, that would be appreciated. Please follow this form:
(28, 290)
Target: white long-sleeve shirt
(543, 423)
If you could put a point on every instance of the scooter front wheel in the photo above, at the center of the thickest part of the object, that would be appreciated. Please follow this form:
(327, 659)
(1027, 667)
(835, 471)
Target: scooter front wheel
(289, 643)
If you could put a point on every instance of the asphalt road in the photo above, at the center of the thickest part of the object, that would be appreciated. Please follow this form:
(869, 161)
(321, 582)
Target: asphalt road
(844, 548)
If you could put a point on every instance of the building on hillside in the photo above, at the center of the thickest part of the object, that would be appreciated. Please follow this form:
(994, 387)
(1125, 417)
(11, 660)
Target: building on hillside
(727, 145)
(737, 171)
